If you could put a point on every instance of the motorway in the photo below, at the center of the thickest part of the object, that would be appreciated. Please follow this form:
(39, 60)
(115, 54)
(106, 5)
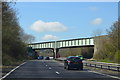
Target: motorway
(52, 70)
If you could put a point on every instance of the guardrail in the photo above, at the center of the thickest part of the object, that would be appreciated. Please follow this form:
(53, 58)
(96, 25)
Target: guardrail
(109, 66)
(101, 65)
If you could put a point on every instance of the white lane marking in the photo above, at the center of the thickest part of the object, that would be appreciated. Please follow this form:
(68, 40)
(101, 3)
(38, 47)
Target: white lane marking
(57, 72)
(105, 74)
(12, 71)
(50, 68)
(46, 65)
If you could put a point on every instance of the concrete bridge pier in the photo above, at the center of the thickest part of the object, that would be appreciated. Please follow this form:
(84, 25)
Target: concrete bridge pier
(56, 54)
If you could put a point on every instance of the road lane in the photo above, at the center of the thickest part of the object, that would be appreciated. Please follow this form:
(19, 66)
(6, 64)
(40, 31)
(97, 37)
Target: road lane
(52, 69)
(33, 69)
(86, 73)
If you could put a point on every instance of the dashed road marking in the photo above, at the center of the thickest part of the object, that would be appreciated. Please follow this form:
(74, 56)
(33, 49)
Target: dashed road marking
(12, 71)
(105, 75)
(57, 72)
(50, 68)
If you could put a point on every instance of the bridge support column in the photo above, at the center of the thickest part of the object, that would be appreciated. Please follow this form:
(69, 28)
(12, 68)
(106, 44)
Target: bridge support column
(56, 54)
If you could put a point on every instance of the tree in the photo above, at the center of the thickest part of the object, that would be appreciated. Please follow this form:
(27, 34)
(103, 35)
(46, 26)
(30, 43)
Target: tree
(114, 40)
(13, 48)
(27, 38)
(109, 48)
(114, 34)
(97, 32)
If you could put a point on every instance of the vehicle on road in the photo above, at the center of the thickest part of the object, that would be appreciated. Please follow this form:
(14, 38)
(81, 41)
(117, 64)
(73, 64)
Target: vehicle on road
(40, 57)
(73, 62)
(51, 57)
(81, 57)
(47, 58)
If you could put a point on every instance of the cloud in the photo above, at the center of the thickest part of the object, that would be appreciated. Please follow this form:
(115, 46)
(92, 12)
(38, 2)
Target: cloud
(97, 21)
(93, 8)
(49, 37)
(41, 26)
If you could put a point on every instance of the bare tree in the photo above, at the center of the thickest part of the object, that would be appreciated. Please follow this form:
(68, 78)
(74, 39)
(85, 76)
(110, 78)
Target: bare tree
(27, 38)
(97, 32)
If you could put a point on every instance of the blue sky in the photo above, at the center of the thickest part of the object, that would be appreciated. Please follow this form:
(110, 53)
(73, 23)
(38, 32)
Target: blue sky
(66, 20)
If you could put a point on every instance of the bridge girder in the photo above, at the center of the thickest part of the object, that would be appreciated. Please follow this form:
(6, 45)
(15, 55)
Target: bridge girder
(63, 43)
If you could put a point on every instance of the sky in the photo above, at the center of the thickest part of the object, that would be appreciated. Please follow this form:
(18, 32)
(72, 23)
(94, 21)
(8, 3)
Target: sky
(50, 21)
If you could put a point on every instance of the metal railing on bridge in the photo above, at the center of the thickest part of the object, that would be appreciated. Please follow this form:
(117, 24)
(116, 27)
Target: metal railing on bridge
(64, 43)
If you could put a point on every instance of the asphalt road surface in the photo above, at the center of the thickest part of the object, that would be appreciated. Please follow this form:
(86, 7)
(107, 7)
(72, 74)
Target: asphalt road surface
(53, 70)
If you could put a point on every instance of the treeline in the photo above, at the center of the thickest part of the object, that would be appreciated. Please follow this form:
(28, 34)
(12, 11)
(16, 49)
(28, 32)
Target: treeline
(13, 41)
(109, 47)
(86, 52)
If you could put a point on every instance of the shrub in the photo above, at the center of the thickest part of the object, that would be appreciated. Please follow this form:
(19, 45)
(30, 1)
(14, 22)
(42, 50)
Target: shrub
(117, 56)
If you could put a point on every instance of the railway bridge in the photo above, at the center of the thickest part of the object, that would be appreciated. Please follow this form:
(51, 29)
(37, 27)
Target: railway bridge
(56, 45)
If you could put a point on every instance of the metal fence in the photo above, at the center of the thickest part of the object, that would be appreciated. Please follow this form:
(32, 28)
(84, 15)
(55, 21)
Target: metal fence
(108, 66)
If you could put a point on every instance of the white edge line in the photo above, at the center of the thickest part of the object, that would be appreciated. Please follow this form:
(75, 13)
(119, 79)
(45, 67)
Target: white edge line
(105, 74)
(12, 71)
